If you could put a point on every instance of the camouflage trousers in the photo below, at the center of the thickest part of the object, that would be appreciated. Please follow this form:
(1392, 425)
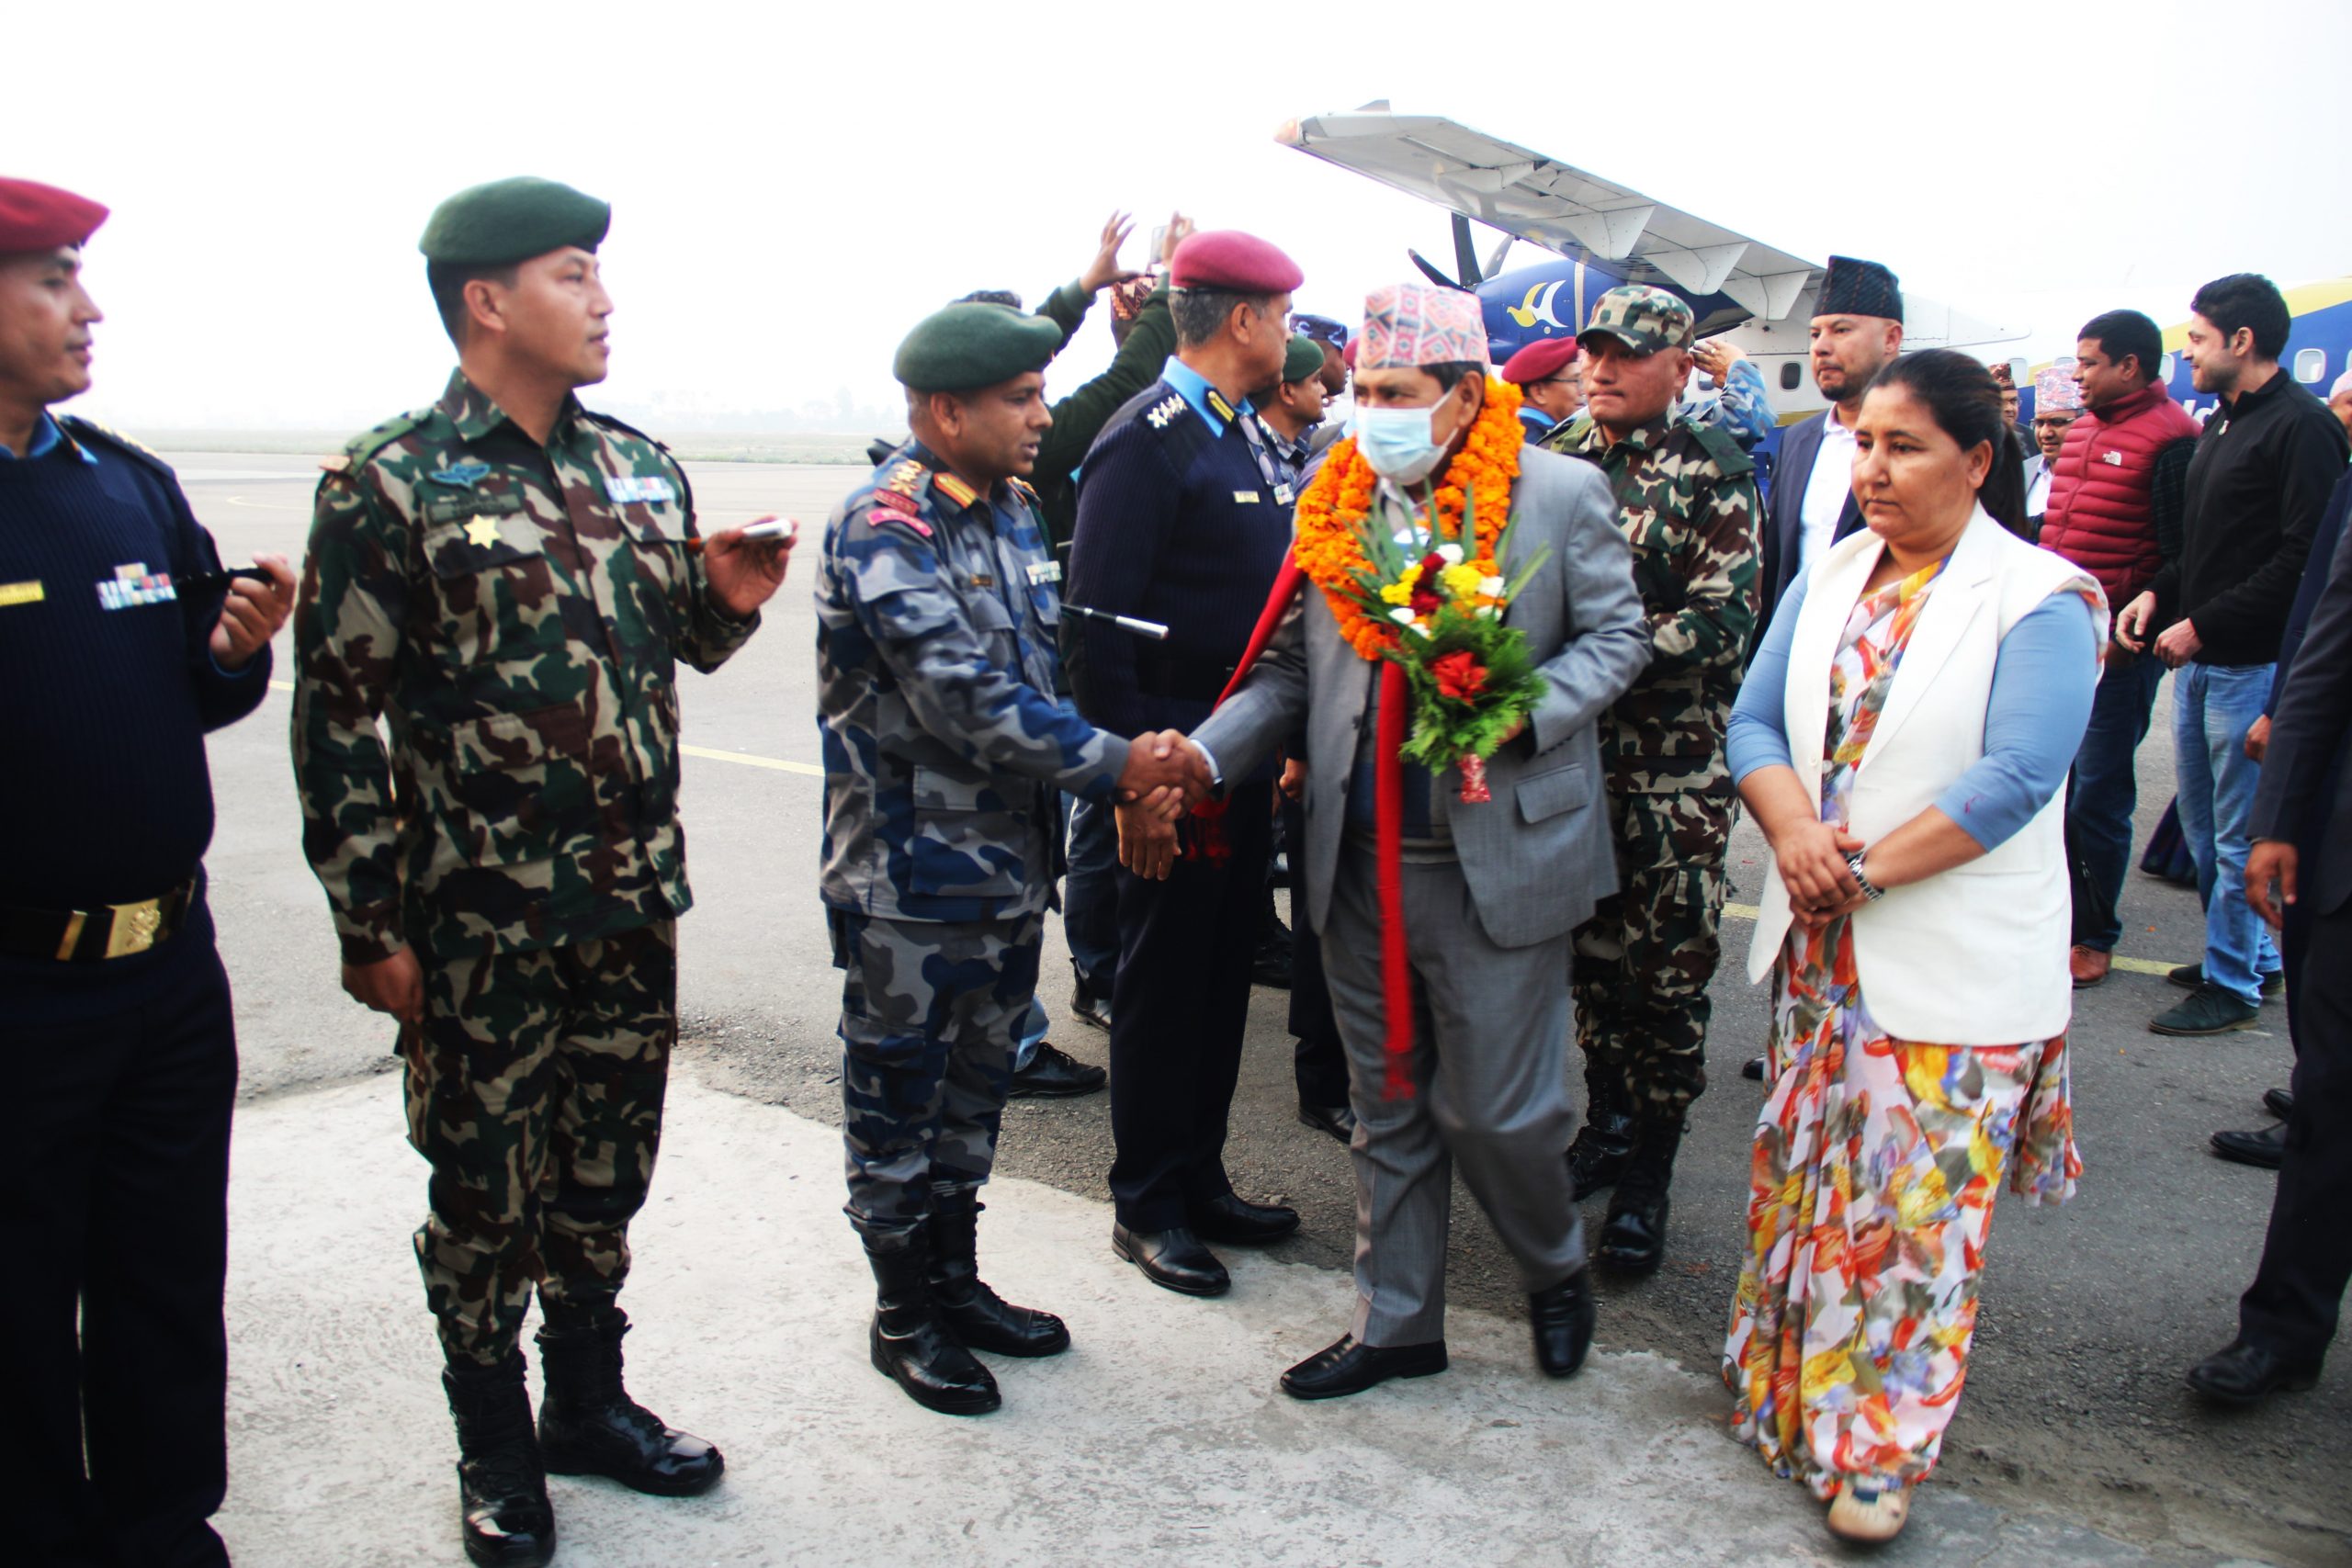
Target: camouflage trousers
(931, 1012)
(1645, 960)
(534, 1090)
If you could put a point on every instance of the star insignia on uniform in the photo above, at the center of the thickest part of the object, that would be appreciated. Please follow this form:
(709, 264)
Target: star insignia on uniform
(1168, 409)
(482, 532)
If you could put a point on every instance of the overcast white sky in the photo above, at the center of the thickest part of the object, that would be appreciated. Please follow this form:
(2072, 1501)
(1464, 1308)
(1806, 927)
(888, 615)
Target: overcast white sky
(794, 184)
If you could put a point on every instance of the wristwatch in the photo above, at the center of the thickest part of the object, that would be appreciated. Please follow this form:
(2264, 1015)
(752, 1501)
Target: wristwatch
(1871, 890)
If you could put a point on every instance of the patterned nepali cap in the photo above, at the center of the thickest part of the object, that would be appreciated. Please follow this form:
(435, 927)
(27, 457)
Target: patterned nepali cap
(1407, 325)
(1860, 288)
(2054, 390)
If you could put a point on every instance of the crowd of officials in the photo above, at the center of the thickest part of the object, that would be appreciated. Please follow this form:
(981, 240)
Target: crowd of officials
(1101, 654)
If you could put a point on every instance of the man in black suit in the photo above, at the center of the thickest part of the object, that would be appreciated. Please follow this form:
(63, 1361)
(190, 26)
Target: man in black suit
(2301, 829)
(1857, 327)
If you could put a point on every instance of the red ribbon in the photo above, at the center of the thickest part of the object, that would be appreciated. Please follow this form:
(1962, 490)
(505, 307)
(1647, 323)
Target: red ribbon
(1389, 812)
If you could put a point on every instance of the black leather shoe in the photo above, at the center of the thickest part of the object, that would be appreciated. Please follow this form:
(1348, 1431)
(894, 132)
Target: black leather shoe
(589, 1425)
(909, 1343)
(1172, 1259)
(1564, 1316)
(1055, 1075)
(1238, 1224)
(975, 1314)
(1633, 1238)
(2248, 1375)
(2191, 977)
(503, 1508)
(1601, 1152)
(1347, 1366)
(1089, 1009)
(2279, 1102)
(2266, 1148)
(1340, 1120)
(1752, 1069)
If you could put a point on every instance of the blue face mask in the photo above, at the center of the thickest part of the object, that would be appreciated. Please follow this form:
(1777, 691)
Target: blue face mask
(1398, 443)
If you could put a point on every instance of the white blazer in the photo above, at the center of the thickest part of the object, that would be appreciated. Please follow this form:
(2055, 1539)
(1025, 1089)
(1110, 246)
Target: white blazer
(1975, 955)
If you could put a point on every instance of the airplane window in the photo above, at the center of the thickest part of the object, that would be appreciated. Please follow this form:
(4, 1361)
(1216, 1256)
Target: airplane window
(1789, 373)
(2311, 365)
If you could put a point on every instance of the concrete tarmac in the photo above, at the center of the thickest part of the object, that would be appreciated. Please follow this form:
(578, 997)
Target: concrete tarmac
(2075, 1420)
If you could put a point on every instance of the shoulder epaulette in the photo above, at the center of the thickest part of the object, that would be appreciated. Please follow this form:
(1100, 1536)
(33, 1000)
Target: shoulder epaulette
(953, 489)
(362, 448)
(1166, 412)
(113, 440)
(1717, 444)
(1028, 494)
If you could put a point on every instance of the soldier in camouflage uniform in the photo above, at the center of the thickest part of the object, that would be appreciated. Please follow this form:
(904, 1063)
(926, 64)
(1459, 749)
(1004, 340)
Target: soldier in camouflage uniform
(508, 580)
(937, 616)
(1687, 504)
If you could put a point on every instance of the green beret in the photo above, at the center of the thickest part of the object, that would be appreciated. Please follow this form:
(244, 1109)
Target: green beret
(970, 346)
(512, 221)
(1302, 359)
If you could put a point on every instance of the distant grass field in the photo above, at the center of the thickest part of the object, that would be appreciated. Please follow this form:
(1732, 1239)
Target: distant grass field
(704, 447)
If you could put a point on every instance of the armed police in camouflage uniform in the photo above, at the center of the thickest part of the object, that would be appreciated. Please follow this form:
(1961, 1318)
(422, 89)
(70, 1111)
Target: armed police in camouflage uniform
(1687, 504)
(936, 621)
(508, 580)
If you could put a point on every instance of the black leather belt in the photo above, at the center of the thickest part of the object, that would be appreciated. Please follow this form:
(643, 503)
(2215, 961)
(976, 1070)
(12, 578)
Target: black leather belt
(88, 936)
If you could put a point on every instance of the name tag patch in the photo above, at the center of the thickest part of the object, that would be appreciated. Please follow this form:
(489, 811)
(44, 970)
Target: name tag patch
(132, 585)
(649, 488)
(1040, 573)
(1246, 497)
(21, 593)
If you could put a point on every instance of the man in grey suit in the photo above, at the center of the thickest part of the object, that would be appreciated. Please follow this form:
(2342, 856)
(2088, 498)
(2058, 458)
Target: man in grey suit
(1857, 327)
(1490, 890)
(2301, 829)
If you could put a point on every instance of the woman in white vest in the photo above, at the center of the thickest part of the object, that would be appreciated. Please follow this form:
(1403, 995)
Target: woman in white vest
(1903, 739)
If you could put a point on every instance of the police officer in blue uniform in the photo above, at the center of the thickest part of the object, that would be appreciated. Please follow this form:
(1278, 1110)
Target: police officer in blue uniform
(945, 754)
(124, 643)
(1183, 519)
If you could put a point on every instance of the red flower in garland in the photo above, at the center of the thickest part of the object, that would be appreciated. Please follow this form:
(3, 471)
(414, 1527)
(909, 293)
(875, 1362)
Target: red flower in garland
(1459, 675)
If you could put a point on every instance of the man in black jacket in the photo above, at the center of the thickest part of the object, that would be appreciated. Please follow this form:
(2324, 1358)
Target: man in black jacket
(2302, 830)
(2269, 456)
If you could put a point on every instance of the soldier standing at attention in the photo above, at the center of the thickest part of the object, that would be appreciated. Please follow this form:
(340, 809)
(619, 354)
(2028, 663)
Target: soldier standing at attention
(1687, 502)
(123, 645)
(509, 579)
(936, 619)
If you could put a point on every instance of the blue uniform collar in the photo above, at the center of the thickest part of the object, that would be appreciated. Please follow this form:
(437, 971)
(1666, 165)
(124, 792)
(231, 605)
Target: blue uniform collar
(47, 438)
(1204, 398)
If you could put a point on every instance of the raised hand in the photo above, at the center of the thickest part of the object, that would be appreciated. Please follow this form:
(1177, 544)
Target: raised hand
(745, 573)
(1104, 269)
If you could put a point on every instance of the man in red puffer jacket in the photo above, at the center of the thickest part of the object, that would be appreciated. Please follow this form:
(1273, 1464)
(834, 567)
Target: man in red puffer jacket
(2115, 510)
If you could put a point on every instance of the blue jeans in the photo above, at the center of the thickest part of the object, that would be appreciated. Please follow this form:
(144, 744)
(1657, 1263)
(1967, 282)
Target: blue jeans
(2212, 707)
(2106, 787)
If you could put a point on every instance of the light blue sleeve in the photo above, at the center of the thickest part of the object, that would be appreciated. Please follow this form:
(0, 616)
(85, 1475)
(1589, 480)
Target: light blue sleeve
(1757, 735)
(2044, 680)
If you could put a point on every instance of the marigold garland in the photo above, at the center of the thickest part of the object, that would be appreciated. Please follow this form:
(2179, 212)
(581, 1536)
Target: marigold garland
(1331, 555)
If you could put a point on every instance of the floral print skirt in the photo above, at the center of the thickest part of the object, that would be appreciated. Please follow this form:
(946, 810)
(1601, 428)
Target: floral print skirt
(1871, 1187)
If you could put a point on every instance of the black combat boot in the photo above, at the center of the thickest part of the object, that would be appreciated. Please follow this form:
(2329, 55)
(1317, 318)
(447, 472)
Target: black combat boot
(502, 1486)
(1633, 1238)
(911, 1344)
(1597, 1158)
(976, 1316)
(589, 1425)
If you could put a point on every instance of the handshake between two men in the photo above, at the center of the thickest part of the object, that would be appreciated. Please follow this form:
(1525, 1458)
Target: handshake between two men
(1166, 775)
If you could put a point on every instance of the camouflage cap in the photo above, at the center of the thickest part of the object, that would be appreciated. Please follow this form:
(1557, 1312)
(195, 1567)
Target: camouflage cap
(1644, 319)
(512, 221)
(970, 345)
(1303, 358)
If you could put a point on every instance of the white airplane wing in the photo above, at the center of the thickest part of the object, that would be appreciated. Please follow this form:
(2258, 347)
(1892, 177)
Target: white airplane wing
(1564, 208)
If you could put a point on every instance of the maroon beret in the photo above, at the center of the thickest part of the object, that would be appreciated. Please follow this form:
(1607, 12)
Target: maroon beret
(41, 217)
(1540, 360)
(1229, 259)
(1348, 354)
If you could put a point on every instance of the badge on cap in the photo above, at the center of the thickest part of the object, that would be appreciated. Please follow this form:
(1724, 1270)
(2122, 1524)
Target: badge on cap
(653, 489)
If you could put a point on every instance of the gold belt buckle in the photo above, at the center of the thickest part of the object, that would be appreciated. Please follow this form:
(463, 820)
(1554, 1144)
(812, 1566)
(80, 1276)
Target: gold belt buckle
(134, 926)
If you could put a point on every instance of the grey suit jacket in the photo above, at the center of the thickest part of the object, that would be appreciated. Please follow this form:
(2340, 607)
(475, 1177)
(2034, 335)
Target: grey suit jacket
(1539, 855)
(1780, 560)
(2308, 747)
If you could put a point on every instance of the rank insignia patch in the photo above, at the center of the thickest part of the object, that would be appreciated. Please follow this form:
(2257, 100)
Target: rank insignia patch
(481, 532)
(1168, 408)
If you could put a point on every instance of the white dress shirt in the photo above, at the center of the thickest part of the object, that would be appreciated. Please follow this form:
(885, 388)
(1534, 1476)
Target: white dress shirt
(1825, 490)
